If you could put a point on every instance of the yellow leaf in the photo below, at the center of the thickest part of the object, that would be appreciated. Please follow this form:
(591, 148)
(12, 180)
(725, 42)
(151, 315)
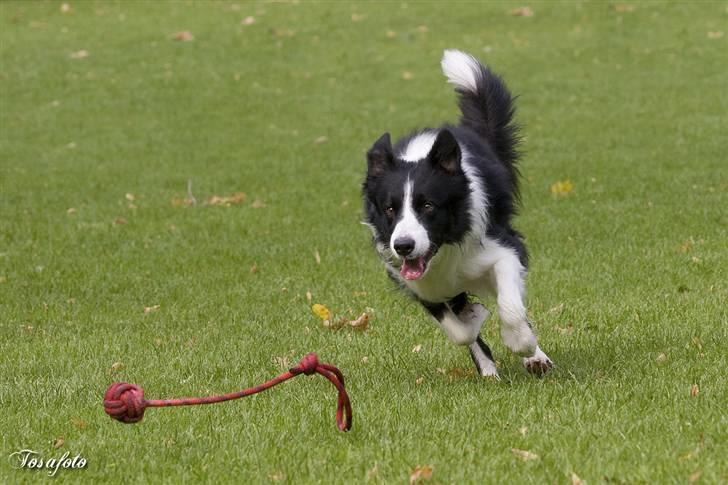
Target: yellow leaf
(562, 188)
(58, 442)
(522, 12)
(361, 323)
(321, 311)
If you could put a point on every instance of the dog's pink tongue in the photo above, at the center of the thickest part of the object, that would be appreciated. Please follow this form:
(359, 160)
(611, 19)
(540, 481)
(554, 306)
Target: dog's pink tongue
(413, 269)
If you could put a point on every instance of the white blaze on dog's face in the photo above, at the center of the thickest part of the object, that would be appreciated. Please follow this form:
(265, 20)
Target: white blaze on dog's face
(418, 200)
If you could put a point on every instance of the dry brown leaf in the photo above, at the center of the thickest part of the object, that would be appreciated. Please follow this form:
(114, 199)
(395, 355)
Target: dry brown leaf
(575, 480)
(391, 34)
(365, 360)
(523, 430)
(716, 34)
(309, 296)
(557, 309)
(420, 474)
(355, 17)
(82, 54)
(422, 29)
(406, 75)
(120, 221)
(254, 268)
(65, 8)
(361, 323)
(567, 330)
(70, 211)
(321, 140)
(235, 199)
(150, 309)
(524, 455)
(373, 472)
(623, 8)
(694, 390)
(182, 202)
(457, 373)
(130, 197)
(661, 358)
(116, 367)
(257, 204)
(317, 257)
(79, 423)
(277, 476)
(522, 12)
(58, 442)
(419, 380)
(249, 20)
(694, 477)
(417, 348)
(184, 36)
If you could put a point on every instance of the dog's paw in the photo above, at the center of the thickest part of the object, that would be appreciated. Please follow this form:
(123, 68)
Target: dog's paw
(538, 364)
(520, 340)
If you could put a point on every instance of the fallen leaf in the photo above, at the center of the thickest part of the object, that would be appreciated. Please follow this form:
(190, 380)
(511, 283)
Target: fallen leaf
(457, 373)
(321, 140)
(317, 256)
(661, 358)
(373, 472)
(623, 8)
(355, 17)
(417, 348)
(421, 473)
(120, 221)
(365, 360)
(65, 8)
(70, 211)
(361, 323)
(716, 35)
(82, 54)
(575, 480)
(567, 330)
(282, 362)
(562, 189)
(557, 309)
(79, 423)
(150, 309)
(391, 34)
(522, 12)
(321, 311)
(254, 268)
(694, 390)
(182, 202)
(58, 442)
(257, 204)
(277, 476)
(406, 75)
(235, 199)
(116, 367)
(694, 477)
(129, 197)
(686, 246)
(184, 36)
(249, 20)
(524, 454)
(523, 430)
(419, 380)
(309, 296)
(422, 29)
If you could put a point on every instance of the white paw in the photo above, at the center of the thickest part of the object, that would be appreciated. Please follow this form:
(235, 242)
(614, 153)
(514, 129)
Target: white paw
(520, 339)
(538, 364)
(488, 370)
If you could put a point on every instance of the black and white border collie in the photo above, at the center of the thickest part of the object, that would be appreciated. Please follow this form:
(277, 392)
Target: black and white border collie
(440, 203)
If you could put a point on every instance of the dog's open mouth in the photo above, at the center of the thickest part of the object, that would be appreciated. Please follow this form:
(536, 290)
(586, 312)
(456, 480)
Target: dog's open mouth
(415, 268)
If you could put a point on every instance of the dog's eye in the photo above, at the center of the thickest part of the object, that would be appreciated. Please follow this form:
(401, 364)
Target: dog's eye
(389, 211)
(428, 207)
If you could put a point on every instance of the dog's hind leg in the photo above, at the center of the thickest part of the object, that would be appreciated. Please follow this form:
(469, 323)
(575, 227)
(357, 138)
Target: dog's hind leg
(461, 321)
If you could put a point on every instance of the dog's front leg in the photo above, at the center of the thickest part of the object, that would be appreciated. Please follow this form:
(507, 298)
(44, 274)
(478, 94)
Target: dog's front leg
(461, 321)
(516, 330)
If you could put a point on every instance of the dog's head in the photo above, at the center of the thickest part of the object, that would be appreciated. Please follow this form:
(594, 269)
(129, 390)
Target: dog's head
(415, 206)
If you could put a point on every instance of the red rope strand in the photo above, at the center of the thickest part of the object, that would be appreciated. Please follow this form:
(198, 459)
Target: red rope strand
(125, 402)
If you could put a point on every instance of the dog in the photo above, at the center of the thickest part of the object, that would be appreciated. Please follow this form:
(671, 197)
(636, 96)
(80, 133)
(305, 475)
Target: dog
(439, 203)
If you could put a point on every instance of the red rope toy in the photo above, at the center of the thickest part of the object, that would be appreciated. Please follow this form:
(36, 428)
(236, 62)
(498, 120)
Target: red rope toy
(125, 402)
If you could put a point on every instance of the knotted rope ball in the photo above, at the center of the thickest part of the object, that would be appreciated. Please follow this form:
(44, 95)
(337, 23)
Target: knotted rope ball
(125, 402)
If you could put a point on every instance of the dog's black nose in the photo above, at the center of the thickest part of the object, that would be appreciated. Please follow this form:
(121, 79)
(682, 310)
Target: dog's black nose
(404, 245)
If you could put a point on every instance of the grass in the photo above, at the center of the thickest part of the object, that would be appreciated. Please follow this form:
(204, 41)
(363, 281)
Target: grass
(627, 288)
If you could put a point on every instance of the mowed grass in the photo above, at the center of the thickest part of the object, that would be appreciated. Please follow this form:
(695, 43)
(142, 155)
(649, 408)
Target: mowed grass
(627, 286)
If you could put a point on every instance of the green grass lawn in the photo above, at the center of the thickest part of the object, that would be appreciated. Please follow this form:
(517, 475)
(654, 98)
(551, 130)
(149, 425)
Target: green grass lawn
(627, 288)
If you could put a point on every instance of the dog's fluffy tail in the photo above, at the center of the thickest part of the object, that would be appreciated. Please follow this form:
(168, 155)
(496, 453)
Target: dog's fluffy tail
(486, 104)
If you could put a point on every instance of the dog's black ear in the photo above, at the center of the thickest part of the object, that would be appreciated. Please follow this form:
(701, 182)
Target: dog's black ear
(380, 155)
(445, 152)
